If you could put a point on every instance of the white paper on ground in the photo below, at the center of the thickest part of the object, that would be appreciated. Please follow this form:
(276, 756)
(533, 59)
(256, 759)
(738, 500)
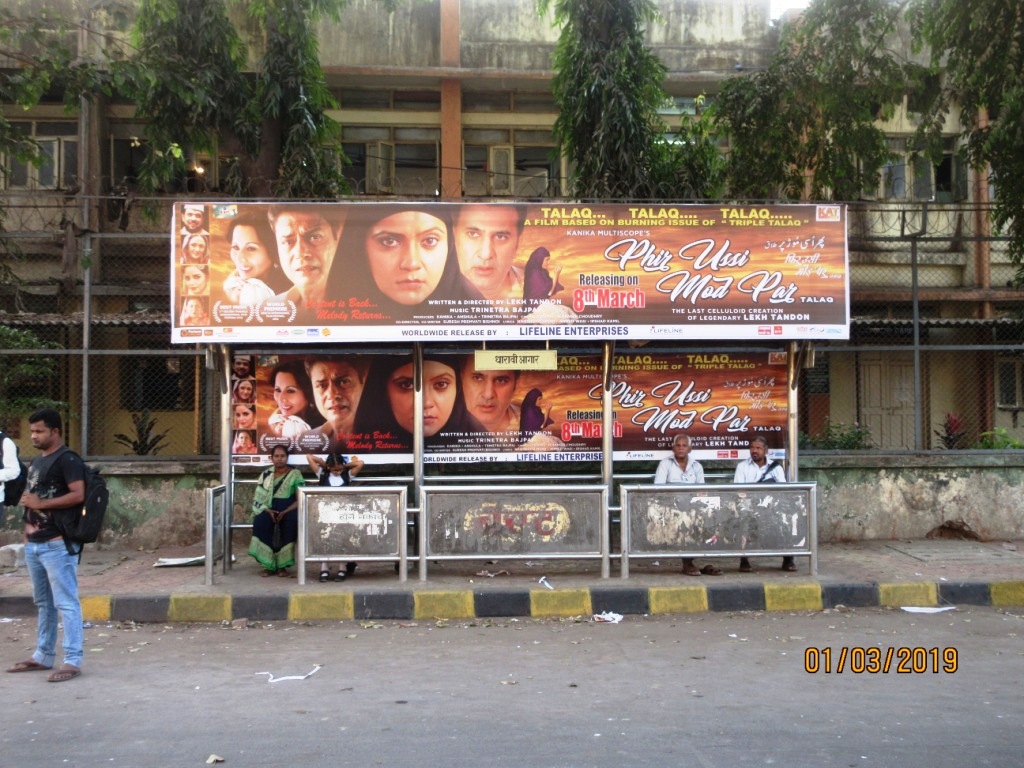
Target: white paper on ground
(928, 609)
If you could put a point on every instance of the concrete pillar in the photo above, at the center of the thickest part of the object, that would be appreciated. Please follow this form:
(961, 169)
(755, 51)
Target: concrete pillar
(451, 100)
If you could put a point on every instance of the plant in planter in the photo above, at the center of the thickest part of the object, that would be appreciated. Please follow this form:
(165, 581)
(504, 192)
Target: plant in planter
(146, 441)
(953, 432)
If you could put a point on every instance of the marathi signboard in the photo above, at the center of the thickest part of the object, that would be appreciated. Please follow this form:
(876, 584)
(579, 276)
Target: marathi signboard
(297, 272)
(363, 405)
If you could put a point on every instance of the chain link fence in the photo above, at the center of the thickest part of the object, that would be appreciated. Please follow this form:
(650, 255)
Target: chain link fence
(934, 360)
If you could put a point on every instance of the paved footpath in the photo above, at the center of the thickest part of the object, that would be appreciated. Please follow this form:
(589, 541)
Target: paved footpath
(124, 585)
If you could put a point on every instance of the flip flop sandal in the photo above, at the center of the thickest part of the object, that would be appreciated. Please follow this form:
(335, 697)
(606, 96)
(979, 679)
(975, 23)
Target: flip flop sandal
(710, 570)
(691, 570)
(325, 576)
(283, 573)
(267, 573)
(341, 575)
(28, 666)
(66, 672)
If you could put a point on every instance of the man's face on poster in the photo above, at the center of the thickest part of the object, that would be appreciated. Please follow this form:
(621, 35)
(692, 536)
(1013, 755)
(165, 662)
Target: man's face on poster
(306, 244)
(337, 388)
(486, 239)
(241, 366)
(192, 218)
(488, 395)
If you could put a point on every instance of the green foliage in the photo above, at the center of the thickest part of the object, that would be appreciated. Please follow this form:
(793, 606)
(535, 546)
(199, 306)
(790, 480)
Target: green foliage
(805, 127)
(608, 86)
(999, 439)
(186, 70)
(146, 441)
(21, 376)
(839, 436)
(979, 46)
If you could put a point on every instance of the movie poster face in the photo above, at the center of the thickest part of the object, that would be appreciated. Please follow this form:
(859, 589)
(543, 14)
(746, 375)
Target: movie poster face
(364, 405)
(298, 272)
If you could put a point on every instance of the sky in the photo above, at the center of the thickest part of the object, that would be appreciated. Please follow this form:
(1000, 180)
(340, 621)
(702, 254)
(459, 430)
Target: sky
(779, 6)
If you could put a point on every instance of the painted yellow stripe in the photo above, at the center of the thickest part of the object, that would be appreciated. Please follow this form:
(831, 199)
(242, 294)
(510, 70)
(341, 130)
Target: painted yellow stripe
(792, 597)
(333, 606)
(1007, 592)
(96, 607)
(444, 605)
(677, 599)
(199, 608)
(922, 593)
(560, 602)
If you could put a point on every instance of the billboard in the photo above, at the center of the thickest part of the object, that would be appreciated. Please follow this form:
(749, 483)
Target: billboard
(298, 272)
(363, 405)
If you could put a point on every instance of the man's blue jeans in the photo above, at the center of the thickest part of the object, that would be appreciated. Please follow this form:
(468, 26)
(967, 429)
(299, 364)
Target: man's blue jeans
(55, 589)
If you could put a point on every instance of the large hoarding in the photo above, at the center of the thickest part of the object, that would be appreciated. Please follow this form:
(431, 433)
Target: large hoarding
(288, 272)
(363, 405)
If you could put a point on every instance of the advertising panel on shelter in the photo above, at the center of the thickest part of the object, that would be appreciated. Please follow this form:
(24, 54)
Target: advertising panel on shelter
(363, 405)
(296, 272)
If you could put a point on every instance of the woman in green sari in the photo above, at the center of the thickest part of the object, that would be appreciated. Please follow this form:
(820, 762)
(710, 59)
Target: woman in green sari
(275, 528)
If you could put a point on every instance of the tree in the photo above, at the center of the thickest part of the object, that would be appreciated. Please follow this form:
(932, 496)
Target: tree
(608, 86)
(184, 67)
(22, 374)
(980, 47)
(807, 126)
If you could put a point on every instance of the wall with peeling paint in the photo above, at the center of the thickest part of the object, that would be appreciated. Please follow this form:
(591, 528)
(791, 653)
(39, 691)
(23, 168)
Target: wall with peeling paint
(904, 496)
(860, 497)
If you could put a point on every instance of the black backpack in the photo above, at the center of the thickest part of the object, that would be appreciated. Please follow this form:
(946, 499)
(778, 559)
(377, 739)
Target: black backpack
(84, 526)
(13, 489)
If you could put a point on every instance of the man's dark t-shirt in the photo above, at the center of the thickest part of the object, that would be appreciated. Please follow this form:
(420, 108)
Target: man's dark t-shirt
(50, 477)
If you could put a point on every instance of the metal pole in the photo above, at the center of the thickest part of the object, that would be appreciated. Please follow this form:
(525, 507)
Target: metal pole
(86, 342)
(227, 470)
(608, 418)
(607, 465)
(793, 358)
(84, 174)
(916, 304)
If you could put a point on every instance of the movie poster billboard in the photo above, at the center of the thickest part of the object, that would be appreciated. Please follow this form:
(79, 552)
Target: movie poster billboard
(363, 405)
(296, 272)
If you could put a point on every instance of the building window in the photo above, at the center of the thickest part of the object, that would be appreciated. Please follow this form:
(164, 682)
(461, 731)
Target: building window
(910, 176)
(1010, 382)
(157, 383)
(503, 169)
(58, 148)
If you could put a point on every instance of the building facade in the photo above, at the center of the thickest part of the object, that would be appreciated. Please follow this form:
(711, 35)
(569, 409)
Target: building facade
(451, 99)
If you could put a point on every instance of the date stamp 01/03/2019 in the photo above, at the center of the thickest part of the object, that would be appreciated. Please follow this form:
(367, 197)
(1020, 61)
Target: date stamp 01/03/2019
(903, 660)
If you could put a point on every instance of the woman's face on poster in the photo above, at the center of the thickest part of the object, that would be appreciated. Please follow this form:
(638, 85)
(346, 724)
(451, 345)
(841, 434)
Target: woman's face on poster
(245, 390)
(288, 395)
(439, 388)
(244, 443)
(195, 281)
(196, 248)
(250, 256)
(245, 417)
(407, 253)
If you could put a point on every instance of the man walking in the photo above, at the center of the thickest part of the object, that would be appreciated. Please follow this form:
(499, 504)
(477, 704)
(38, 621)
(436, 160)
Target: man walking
(56, 484)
